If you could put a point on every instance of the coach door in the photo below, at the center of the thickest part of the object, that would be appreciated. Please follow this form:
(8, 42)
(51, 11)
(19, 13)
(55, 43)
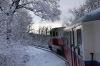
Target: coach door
(79, 43)
(72, 45)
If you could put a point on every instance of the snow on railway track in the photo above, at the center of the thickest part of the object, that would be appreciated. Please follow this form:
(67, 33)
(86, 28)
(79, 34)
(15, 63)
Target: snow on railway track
(46, 49)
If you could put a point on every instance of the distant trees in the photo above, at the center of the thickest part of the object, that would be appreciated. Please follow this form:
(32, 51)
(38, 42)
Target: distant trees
(77, 12)
(84, 8)
(44, 30)
(66, 22)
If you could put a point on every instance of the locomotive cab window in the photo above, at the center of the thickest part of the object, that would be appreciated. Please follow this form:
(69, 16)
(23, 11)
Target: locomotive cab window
(79, 42)
(53, 33)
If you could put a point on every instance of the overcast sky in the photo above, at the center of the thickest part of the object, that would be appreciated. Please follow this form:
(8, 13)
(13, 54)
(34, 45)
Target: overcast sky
(65, 5)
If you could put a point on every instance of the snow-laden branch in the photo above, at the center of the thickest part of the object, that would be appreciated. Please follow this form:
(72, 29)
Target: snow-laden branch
(43, 9)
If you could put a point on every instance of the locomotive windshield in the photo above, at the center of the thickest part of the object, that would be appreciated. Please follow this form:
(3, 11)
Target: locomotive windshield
(53, 33)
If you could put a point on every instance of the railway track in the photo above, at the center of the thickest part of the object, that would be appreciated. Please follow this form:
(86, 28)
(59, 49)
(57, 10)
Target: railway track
(46, 49)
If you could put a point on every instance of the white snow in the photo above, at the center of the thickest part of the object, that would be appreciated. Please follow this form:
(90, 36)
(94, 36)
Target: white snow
(43, 58)
(22, 55)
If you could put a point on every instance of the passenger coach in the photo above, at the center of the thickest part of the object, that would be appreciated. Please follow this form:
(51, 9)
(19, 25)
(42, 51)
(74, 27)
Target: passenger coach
(56, 40)
(82, 40)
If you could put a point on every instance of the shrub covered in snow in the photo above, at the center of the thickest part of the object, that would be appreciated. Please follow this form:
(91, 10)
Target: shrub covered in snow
(40, 40)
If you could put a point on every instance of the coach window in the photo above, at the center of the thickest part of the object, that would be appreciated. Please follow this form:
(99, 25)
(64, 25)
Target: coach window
(79, 42)
(65, 37)
(73, 43)
(68, 38)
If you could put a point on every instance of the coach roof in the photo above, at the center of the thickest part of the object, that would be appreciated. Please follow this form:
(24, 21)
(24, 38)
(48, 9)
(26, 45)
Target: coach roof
(91, 16)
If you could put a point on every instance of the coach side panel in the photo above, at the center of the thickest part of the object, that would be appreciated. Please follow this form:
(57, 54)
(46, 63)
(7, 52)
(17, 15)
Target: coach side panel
(89, 44)
(97, 41)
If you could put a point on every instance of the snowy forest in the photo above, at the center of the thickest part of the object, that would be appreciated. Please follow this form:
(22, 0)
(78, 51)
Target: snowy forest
(15, 19)
(15, 26)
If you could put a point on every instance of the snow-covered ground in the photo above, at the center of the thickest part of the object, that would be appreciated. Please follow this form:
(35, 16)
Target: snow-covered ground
(43, 58)
(23, 53)
(20, 55)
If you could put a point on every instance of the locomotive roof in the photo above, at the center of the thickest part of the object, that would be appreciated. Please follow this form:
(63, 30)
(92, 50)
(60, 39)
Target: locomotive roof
(57, 28)
(91, 16)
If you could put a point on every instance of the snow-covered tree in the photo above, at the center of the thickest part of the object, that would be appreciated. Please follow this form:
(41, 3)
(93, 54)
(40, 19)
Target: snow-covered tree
(45, 9)
(66, 22)
(77, 12)
(91, 5)
(21, 25)
(14, 21)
